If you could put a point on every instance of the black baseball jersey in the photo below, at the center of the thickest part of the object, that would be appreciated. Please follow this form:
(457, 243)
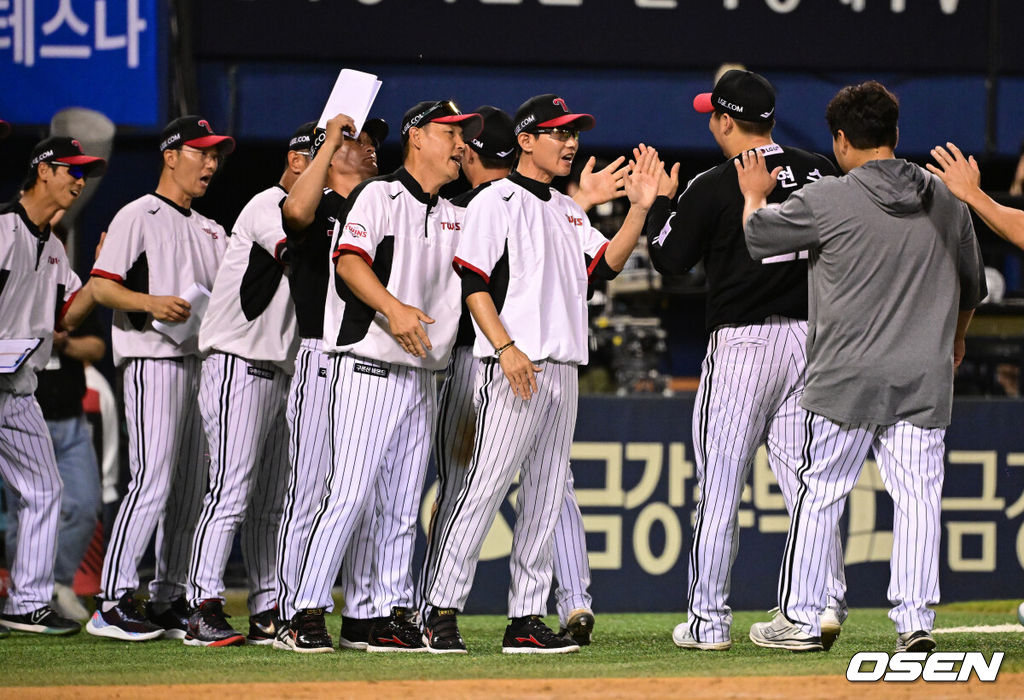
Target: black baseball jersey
(706, 223)
(309, 256)
(467, 334)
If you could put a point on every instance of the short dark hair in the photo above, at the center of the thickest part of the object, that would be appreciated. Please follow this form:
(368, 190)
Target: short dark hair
(867, 113)
(32, 176)
(754, 128)
(492, 163)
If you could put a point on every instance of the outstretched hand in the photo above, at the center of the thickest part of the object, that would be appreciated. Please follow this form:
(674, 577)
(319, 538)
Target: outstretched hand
(604, 185)
(641, 183)
(755, 181)
(961, 175)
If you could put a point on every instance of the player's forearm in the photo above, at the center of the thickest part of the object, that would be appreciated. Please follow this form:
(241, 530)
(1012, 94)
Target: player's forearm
(963, 320)
(1005, 221)
(485, 313)
(115, 295)
(622, 245)
(299, 207)
(80, 307)
(361, 279)
(751, 203)
(85, 348)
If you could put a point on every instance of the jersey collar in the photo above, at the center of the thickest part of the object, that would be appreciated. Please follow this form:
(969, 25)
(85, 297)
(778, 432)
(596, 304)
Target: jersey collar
(535, 187)
(181, 210)
(409, 182)
(42, 234)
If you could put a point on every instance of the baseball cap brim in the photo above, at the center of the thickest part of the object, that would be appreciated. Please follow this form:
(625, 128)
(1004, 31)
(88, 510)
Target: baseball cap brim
(376, 129)
(472, 124)
(583, 122)
(93, 165)
(224, 144)
(702, 103)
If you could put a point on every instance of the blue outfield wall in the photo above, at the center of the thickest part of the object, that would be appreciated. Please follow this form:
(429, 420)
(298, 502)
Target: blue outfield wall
(635, 481)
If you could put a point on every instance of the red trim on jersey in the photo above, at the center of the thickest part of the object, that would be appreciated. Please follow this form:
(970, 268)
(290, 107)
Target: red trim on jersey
(349, 248)
(64, 309)
(477, 270)
(91, 401)
(597, 258)
(279, 248)
(96, 272)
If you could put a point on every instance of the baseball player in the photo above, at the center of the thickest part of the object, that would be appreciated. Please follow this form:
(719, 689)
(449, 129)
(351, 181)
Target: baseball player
(309, 212)
(37, 286)
(879, 364)
(249, 338)
(156, 250)
(525, 256)
(752, 377)
(489, 157)
(394, 256)
(963, 178)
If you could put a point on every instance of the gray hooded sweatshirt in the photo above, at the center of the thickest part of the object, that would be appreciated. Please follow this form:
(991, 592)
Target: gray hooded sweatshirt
(893, 257)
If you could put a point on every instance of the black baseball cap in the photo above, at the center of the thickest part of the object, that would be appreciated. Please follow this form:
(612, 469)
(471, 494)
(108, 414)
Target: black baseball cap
(302, 139)
(376, 129)
(5, 129)
(546, 111)
(496, 139)
(742, 95)
(67, 151)
(194, 131)
(443, 112)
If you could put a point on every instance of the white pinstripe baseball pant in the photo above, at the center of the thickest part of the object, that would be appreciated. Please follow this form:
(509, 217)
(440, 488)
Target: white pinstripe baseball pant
(309, 452)
(453, 450)
(752, 380)
(242, 403)
(382, 415)
(910, 461)
(511, 435)
(167, 463)
(29, 467)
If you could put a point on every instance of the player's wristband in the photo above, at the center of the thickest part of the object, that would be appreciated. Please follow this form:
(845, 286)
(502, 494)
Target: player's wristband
(503, 348)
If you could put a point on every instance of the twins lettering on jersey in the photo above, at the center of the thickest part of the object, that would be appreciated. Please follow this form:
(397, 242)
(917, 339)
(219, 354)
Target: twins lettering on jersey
(450, 226)
(52, 260)
(575, 220)
(356, 230)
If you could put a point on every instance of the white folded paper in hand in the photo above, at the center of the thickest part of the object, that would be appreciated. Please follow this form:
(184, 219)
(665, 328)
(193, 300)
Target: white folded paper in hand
(353, 94)
(14, 352)
(199, 297)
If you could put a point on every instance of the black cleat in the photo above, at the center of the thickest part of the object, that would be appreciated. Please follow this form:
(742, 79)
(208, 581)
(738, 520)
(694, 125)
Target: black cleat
(306, 633)
(579, 627)
(529, 635)
(396, 633)
(123, 622)
(263, 627)
(173, 620)
(41, 621)
(208, 627)
(355, 633)
(441, 632)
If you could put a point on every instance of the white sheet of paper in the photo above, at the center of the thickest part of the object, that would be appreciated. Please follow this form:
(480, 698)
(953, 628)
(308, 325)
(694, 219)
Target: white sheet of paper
(353, 94)
(199, 297)
(14, 352)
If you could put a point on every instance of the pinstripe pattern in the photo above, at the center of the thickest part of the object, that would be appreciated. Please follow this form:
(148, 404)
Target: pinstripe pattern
(309, 456)
(910, 460)
(381, 428)
(243, 416)
(749, 392)
(511, 435)
(166, 447)
(453, 451)
(29, 468)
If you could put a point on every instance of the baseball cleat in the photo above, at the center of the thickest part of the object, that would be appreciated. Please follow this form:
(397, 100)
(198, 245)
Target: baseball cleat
(780, 633)
(580, 626)
(67, 604)
(123, 622)
(441, 632)
(43, 620)
(305, 634)
(529, 635)
(208, 627)
(684, 640)
(263, 627)
(173, 619)
(355, 633)
(396, 633)
(831, 626)
(919, 640)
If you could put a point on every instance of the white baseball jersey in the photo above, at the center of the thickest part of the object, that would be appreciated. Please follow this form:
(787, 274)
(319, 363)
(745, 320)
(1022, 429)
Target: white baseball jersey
(36, 283)
(543, 245)
(251, 312)
(155, 247)
(409, 239)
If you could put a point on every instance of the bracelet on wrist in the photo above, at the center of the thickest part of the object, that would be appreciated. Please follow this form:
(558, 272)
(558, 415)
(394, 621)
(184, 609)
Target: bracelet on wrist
(503, 348)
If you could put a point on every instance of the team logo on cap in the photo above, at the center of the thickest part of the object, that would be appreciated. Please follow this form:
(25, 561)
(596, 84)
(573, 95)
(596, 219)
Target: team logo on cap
(206, 125)
(76, 144)
(561, 103)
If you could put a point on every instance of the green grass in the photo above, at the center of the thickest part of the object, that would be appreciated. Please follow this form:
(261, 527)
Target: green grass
(625, 645)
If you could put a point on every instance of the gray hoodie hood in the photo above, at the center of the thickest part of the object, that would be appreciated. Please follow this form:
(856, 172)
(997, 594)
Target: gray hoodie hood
(898, 188)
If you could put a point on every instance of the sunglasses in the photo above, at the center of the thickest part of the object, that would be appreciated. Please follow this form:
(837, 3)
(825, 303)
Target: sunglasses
(560, 134)
(75, 171)
(444, 108)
